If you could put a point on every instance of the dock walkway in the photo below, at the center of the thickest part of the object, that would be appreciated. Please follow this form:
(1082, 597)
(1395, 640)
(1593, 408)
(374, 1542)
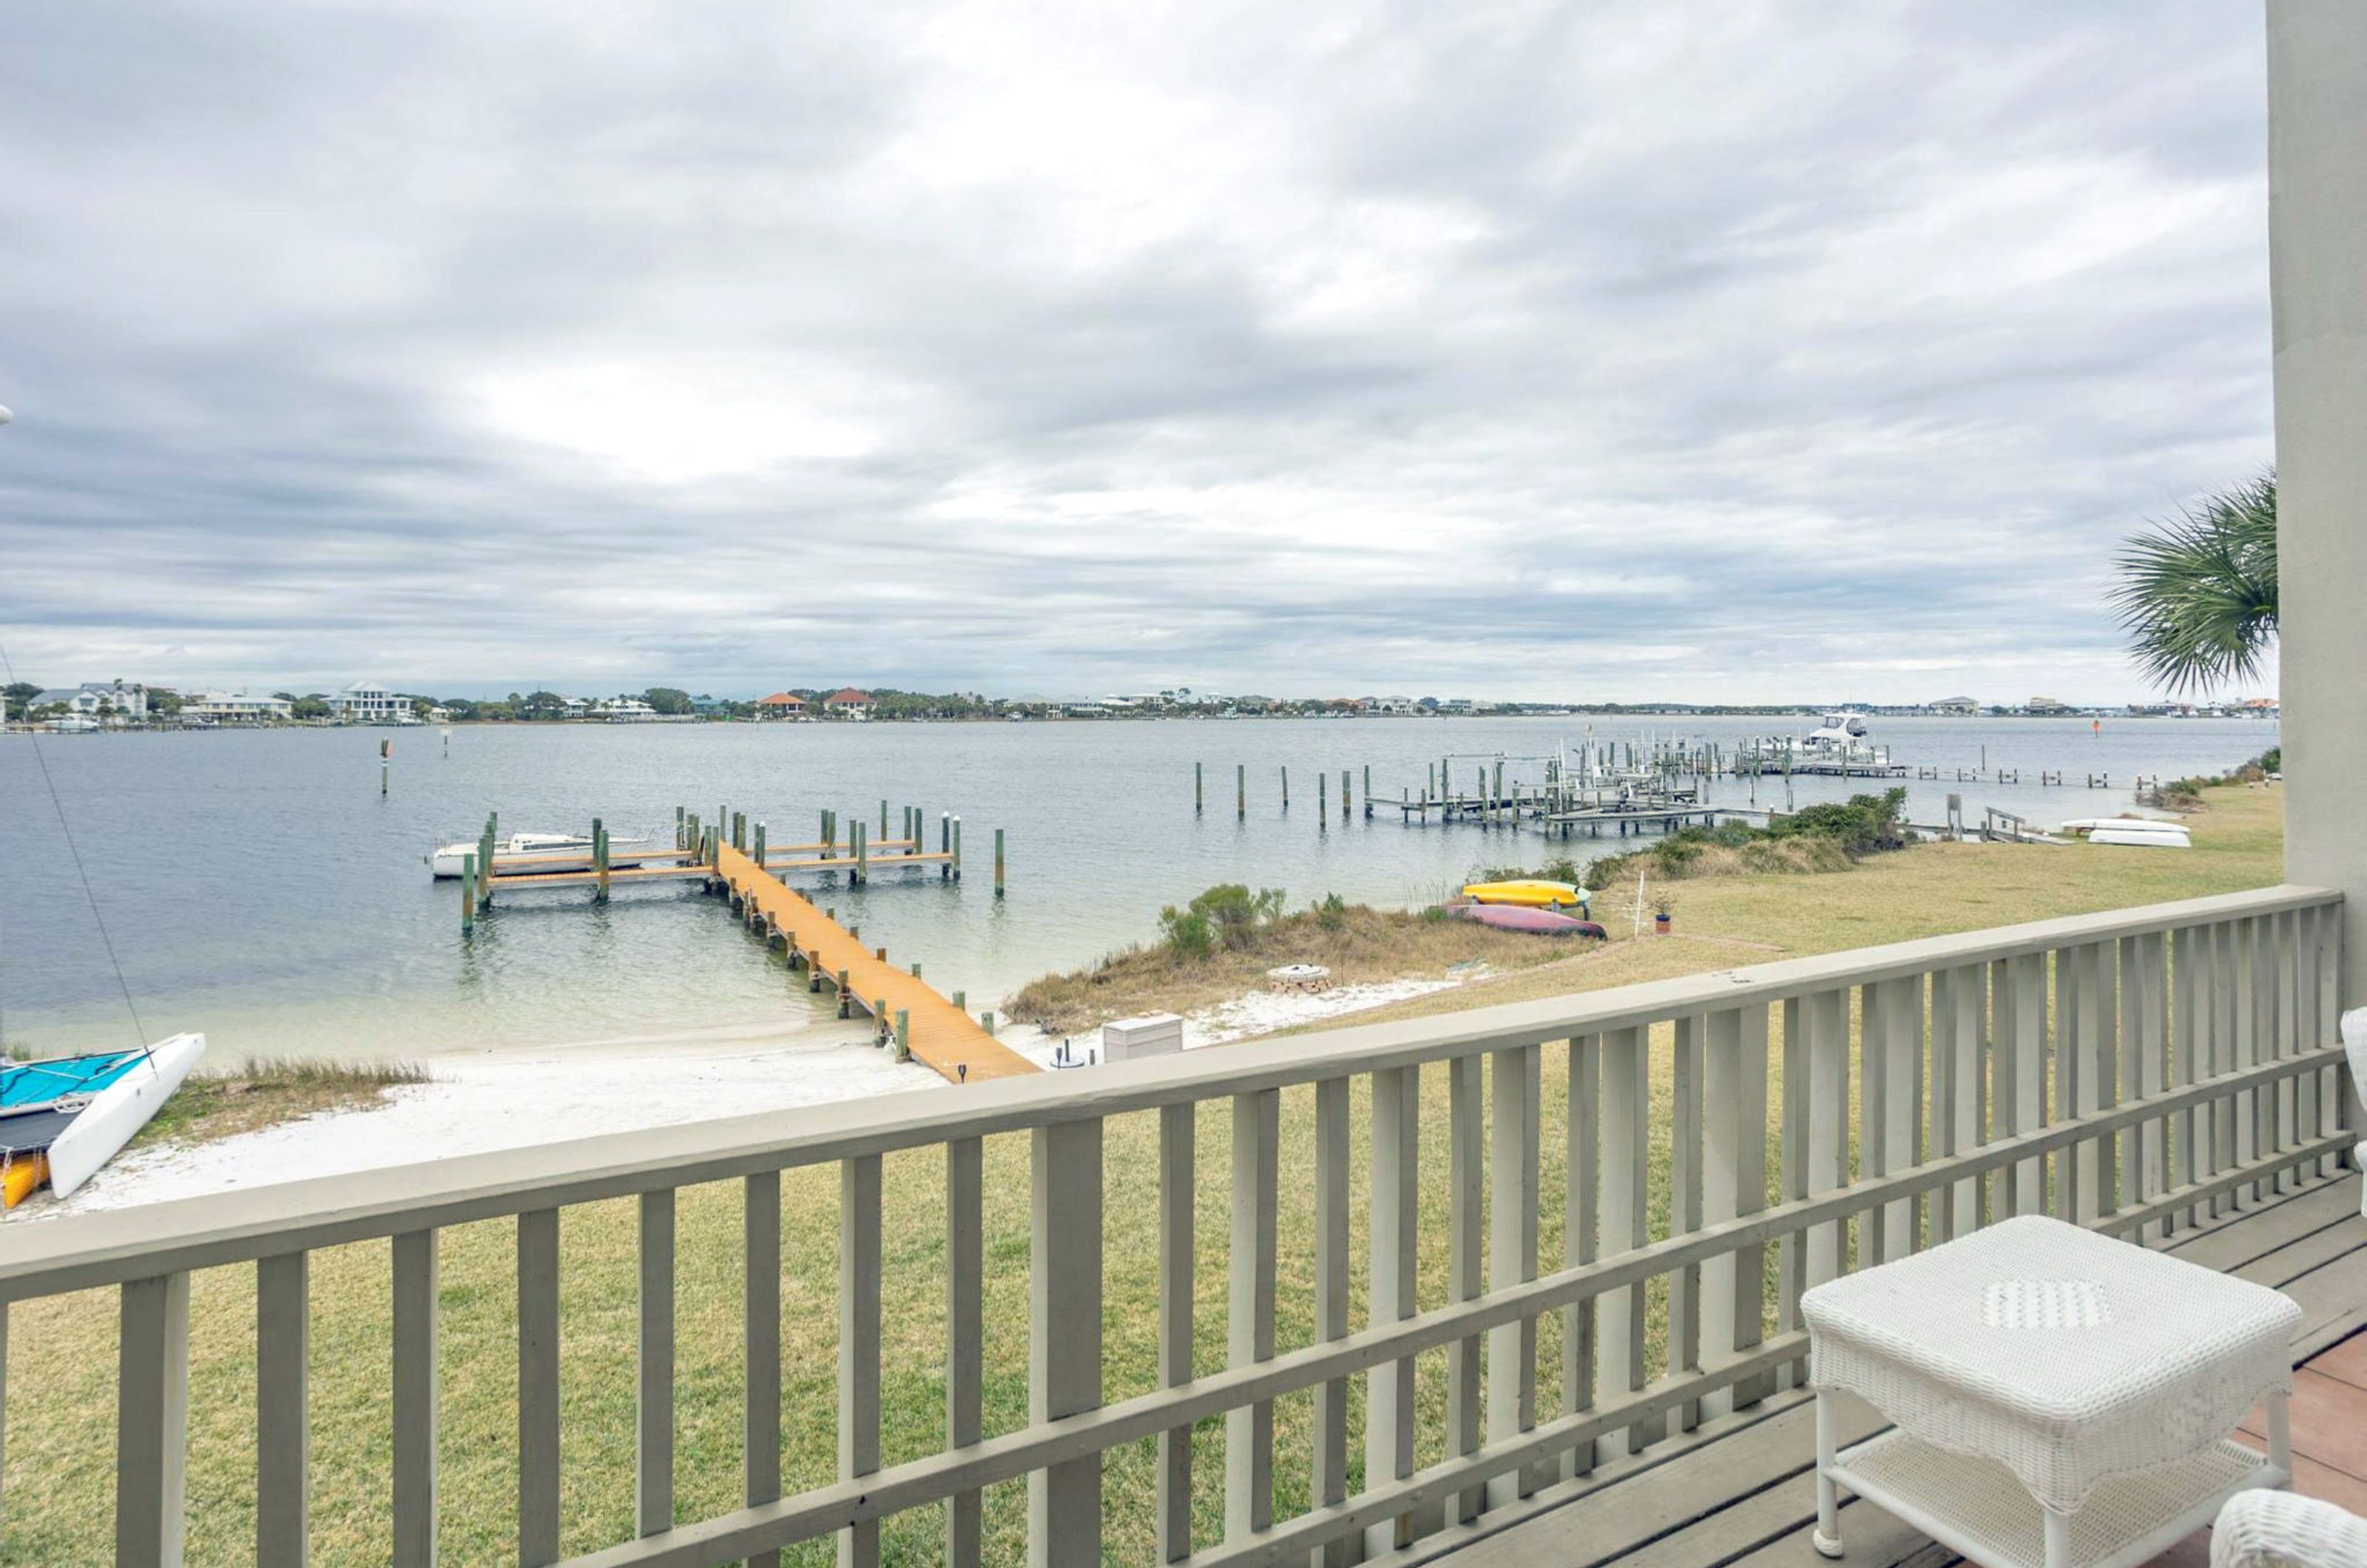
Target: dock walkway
(937, 1033)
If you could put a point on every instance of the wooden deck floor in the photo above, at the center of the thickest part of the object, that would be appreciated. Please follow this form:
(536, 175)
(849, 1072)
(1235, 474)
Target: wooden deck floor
(1742, 1490)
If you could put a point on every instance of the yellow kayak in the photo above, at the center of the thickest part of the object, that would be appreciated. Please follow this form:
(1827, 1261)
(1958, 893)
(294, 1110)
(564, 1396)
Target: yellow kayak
(1531, 894)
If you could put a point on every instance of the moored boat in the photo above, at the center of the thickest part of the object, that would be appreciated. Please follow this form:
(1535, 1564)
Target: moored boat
(2146, 839)
(62, 1118)
(1522, 917)
(551, 851)
(1534, 892)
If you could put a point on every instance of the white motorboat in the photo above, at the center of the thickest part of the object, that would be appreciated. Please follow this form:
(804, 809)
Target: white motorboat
(550, 852)
(1839, 732)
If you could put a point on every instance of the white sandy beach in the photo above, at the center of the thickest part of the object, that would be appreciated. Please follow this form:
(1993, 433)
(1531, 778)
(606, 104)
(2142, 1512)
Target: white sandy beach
(483, 1100)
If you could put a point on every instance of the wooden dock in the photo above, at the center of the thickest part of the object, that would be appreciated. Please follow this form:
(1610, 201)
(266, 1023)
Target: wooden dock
(931, 1027)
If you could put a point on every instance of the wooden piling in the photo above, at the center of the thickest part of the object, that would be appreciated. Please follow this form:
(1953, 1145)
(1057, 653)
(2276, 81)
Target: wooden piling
(468, 894)
(600, 859)
(846, 1003)
(760, 844)
(903, 1034)
(955, 866)
(1196, 789)
(1369, 790)
(883, 818)
(997, 871)
(1322, 799)
(1345, 809)
(863, 853)
(1286, 789)
(986, 1021)
(679, 841)
(1240, 792)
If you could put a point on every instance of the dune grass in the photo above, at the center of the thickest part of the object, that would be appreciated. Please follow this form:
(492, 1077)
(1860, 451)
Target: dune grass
(61, 1371)
(215, 1103)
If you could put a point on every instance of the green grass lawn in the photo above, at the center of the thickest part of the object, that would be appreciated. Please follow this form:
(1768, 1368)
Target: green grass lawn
(57, 1505)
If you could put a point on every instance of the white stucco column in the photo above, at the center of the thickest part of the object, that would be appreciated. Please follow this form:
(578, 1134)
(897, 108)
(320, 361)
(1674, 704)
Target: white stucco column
(2317, 241)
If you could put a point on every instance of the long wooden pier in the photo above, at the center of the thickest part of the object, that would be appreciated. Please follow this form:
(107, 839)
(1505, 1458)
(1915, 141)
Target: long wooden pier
(923, 1023)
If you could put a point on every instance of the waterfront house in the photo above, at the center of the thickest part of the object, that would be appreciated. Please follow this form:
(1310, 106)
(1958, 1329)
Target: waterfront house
(1957, 707)
(366, 702)
(237, 708)
(848, 703)
(2047, 708)
(1570, 1330)
(781, 705)
(102, 702)
(624, 710)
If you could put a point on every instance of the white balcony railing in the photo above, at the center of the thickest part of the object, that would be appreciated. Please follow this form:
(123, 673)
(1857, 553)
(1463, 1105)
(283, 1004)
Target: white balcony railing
(2137, 1070)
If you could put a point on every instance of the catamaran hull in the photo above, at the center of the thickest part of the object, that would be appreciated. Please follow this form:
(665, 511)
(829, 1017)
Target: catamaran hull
(119, 1111)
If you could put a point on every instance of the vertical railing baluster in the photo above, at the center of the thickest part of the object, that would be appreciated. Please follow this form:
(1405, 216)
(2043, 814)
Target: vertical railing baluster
(2263, 932)
(1625, 1190)
(1249, 1318)
(1391, 1256)
(1176, 1127)
(1900, 1003)
(1515, 1075)
(151, 1423)
(538, 1382)
(283, 1330)
(1824, 1020)
(859, 1343)
(415, 1414)
(1064, 1351)
(2226, 1006)
(2144, 988)
(653, 1403)
(760, 1345)
(1872, 1116)
(2296, 1096)
(1792, 1175)
(2248, 1043)
(2338, 1094)
(1582, 1138)
(2104, 1011)
(1685, 1175)
(964, 1334)
(2074, 1078)
(1466, 1200)
(1958, 1127)
(1734, 1183)
(2187, 1130)
(2025, 1032)
(1329, 1483)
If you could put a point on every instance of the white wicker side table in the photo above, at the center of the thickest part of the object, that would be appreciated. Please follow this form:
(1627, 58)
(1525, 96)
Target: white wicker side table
(2059, 1399)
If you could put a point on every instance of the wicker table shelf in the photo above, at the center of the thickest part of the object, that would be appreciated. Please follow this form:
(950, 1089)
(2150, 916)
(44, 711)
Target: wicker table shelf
(2062, 1400)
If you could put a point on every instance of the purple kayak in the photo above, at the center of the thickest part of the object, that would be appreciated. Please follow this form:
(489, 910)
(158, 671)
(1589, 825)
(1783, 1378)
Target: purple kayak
(1515, 917)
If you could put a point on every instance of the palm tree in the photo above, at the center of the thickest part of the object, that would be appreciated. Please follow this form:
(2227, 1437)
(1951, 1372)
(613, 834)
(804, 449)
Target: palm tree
(2198, 595)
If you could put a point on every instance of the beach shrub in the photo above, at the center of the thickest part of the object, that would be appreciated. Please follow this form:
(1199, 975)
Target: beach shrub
(1330, 912)
(1226, 915)
(1862, 824)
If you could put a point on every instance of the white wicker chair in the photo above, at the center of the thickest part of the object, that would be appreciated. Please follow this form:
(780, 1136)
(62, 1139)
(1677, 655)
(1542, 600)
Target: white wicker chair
(2354, 1044)
(2277, 1530)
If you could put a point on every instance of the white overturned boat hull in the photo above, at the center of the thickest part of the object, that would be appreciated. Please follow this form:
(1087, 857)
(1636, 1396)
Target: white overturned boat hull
(447, 860)
(119, 1111)
(2144, 841)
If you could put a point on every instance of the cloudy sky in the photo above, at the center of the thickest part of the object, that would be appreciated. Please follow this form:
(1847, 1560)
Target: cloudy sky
(1706, 349)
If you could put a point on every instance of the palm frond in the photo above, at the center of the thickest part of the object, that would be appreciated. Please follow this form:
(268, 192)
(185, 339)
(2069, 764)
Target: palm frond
(2198, 594)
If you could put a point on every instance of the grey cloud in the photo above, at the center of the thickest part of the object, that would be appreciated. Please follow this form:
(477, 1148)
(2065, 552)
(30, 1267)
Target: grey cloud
(1718, 350)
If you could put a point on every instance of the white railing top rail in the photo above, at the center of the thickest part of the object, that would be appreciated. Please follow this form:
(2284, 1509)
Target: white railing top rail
(108, 1248)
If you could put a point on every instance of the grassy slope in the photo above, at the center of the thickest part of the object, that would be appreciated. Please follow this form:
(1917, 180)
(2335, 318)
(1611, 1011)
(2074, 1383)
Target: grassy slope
(61, 1382)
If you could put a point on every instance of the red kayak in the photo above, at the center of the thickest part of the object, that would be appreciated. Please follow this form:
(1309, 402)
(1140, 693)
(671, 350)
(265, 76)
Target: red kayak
(1538, 922)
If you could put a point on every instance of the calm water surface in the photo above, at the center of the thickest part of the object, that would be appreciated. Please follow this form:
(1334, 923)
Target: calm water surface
(256, 885)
